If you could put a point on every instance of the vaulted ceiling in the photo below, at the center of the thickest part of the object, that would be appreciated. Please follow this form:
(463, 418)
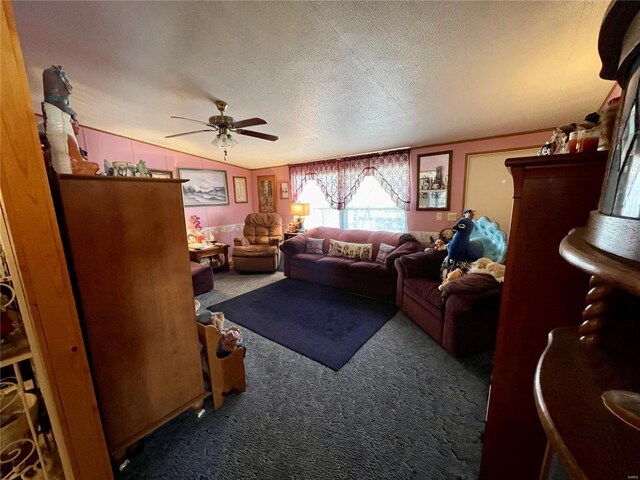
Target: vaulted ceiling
(330, 78)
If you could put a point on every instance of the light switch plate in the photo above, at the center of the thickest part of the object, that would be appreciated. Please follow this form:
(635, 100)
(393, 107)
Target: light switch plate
(439, 216)
(452, 217)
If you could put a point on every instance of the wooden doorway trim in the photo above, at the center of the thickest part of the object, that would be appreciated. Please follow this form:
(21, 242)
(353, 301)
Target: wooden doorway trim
(34, 234)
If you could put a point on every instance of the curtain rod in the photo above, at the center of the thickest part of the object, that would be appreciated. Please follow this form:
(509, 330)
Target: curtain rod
(351, 156)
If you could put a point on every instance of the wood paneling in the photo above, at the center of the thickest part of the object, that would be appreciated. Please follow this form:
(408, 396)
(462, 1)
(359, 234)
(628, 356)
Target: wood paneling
(130, 260)
(43, 270)
(541, 292)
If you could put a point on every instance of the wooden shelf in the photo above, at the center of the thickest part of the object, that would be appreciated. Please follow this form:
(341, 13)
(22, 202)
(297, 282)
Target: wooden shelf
(618, 272)
(590, 441)
(15, 353)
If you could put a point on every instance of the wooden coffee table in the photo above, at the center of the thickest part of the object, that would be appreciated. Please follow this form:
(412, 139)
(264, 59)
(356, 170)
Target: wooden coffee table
(217, 250)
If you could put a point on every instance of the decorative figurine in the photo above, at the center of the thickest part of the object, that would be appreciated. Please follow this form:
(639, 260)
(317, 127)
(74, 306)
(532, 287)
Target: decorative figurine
(59, 119)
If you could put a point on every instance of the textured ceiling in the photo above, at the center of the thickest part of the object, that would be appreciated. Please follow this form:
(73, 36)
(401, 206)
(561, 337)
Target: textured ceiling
(330, 78)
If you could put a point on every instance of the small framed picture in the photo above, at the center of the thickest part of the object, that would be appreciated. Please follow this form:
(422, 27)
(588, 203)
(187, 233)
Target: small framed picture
(240, 189)
(161, 173)
(284, 190)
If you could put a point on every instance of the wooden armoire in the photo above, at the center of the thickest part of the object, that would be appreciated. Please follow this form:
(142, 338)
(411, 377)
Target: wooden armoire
(552, 194)
(127, 253)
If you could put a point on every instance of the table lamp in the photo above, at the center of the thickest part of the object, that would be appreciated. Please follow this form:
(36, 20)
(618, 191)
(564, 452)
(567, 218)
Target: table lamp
(299, 211)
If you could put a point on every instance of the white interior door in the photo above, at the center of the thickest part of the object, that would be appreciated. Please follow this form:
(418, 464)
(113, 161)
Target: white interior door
(489, 186)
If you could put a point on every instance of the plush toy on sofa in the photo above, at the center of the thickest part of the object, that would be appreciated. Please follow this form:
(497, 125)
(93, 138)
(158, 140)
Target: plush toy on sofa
(460, 249)
(482, 266)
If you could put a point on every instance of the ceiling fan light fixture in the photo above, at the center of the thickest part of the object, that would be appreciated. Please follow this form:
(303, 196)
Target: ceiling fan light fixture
(224, 140)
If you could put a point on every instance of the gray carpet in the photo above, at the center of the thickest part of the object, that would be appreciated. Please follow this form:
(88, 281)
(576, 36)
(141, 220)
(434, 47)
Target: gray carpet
(401, 408)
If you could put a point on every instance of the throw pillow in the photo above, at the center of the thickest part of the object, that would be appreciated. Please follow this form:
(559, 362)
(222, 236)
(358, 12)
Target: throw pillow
(383, 252)
(357, 251)
(314, 245)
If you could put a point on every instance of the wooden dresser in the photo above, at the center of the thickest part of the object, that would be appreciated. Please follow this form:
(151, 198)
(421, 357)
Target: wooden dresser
(541, 292)
(127, 251)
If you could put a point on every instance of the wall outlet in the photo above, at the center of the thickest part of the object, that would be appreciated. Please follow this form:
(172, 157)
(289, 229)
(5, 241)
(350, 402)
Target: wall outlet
(439, 216)
(452, 217)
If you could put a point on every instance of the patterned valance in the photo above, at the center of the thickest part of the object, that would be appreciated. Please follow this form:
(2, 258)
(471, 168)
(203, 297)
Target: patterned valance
(340, 178)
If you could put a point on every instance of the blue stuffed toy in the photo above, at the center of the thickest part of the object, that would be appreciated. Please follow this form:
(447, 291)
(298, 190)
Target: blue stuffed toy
(461, 250)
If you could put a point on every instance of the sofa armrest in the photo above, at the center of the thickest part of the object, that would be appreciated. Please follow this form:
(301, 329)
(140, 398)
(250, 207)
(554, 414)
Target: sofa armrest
(404, 249)
(241, 242)
(417, 265)
(421, 264)
(291, 246)
(471, 314)
(476, 287)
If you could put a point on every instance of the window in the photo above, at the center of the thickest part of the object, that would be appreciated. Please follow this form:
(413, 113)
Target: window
(370, 209)
(321, 212)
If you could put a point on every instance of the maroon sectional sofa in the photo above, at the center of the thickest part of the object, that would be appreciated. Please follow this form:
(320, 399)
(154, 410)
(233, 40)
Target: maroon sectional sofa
(366, 277)
(463, 318)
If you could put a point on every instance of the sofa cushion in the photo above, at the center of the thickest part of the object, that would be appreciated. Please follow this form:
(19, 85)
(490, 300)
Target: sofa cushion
(305, 258)
(335, 262)
(425, 289)
(358, 251)
(314, 245)
(384, 251)
(372, 269)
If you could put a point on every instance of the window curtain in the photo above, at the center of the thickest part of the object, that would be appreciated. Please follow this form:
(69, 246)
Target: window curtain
(340, 178)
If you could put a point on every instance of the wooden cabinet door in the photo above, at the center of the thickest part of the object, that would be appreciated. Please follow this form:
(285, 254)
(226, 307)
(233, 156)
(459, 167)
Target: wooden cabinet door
(127, 242)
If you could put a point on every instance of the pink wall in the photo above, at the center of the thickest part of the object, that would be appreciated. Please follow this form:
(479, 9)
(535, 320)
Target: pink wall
(282, 175)
(426, 220)
(101, 146)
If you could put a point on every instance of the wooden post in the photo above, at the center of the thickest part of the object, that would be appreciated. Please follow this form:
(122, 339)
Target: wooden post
(33, 230)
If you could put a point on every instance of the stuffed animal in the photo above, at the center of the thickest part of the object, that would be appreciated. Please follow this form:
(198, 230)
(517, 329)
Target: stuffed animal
(230, 339)
(460, 248)
(482, 266)
(486, 266)
(457, 273)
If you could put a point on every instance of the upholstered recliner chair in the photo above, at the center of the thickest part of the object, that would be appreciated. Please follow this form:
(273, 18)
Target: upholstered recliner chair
(259, 248)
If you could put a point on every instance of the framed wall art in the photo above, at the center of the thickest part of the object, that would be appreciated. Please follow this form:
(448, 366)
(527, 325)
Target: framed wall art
(161, 173)
(434, 178)
(240, 190)
(266, 193)
(205, 187)
(284, 190)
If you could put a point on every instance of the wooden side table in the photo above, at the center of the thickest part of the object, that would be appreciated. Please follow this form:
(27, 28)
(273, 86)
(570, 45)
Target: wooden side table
(196, 254)
(288, 235)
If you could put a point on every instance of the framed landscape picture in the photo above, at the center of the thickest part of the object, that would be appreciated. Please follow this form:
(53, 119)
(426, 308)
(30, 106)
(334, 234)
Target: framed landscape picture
(266, 193)
(161, 173)
(205, 187)
(284, 190)
(240, 189)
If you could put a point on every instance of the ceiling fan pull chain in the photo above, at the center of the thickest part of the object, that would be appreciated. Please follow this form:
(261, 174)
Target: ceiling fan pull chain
(225, 154)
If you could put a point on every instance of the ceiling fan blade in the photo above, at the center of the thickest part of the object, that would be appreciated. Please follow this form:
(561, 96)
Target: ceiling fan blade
(192, 120)
(249, 122)
(189, 133)
(264, 136)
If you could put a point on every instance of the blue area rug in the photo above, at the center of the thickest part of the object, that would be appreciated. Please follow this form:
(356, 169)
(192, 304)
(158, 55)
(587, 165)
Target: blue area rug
(325, 324)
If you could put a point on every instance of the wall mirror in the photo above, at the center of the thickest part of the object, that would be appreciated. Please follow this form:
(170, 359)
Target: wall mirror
(434, 181)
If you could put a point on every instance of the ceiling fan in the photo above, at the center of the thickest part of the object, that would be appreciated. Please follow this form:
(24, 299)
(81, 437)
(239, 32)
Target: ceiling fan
(224, 125)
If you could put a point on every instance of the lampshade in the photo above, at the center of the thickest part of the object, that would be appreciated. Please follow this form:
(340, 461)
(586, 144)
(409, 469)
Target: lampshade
(300, 209)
